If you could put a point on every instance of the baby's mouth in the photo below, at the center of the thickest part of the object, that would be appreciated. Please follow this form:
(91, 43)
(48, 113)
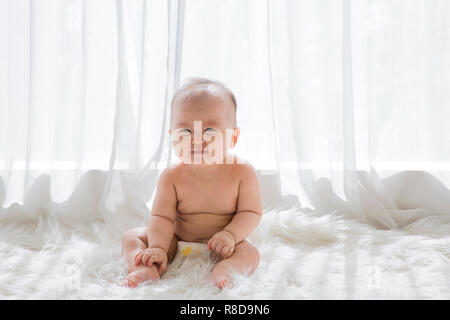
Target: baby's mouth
(198, 151)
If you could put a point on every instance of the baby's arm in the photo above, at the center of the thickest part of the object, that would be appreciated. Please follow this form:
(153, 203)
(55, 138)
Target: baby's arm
(160, 226)
(162, 218)
(249, 207)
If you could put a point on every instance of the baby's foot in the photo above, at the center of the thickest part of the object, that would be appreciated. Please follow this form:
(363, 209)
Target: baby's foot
(221, 281)
(141, 275)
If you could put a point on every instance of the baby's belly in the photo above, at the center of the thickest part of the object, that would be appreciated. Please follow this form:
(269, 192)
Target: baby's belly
(200, 227)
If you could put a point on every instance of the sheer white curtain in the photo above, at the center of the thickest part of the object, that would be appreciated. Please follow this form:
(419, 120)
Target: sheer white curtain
(336, 99)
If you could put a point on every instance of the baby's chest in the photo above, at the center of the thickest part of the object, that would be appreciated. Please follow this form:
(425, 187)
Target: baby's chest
(219, 197)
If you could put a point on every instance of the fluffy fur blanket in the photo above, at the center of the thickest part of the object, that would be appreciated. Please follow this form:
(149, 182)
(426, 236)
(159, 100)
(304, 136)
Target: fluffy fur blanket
(304, 255)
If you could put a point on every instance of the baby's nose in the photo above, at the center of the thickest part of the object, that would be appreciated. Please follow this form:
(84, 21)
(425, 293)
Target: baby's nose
(197, 144)
(197, 139)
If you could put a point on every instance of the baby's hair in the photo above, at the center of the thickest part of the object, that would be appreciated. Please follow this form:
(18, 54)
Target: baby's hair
(197, 82)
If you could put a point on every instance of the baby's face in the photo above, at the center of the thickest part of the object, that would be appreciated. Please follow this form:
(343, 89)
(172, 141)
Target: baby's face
(200, 126)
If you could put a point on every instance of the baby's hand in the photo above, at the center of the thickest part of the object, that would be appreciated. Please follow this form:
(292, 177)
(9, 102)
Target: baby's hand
(152, 255)
(223, 243)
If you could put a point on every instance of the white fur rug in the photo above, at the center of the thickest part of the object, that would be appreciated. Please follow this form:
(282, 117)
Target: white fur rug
(304, 255)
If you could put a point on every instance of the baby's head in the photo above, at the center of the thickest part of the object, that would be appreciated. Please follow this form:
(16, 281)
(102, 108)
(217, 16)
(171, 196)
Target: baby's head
(203, 121)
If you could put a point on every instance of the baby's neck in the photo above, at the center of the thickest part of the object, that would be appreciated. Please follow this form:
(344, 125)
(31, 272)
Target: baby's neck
(207, 168)
(204, 167)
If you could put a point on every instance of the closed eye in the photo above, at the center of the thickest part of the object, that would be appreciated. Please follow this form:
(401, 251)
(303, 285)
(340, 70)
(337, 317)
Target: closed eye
(182, 132)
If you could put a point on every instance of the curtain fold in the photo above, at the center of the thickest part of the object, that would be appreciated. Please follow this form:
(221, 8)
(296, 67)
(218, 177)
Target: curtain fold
(323, 51)
(342, 105)
(103, 75)
(128, 191)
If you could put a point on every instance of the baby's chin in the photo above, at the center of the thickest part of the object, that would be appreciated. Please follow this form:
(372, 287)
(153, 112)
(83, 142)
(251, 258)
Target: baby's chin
(202, 158)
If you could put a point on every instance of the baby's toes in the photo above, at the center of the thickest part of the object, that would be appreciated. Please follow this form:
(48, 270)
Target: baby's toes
(131, 281)
(221, 281)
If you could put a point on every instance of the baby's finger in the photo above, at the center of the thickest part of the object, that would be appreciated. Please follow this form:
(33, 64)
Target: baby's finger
(224, 252)
(138, 258)
(153, 259)
(162, 266)
(145, 259)
(213, 245)
(230, 251)
(219, 248)
(139, 254)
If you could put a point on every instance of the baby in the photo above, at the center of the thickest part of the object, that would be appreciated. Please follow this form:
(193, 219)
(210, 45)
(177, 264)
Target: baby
(211, 196)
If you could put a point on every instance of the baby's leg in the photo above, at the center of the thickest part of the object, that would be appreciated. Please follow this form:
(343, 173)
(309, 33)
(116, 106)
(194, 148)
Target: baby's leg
(134, 241)
(245, 258)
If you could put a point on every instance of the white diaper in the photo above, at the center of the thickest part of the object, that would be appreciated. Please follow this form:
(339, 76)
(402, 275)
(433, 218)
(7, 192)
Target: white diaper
(192, 249)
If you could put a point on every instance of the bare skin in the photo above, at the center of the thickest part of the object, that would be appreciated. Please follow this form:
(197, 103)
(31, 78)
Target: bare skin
(218, 204)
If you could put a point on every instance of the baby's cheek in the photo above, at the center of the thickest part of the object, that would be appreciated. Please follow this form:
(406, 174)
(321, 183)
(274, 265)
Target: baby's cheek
(183, 152)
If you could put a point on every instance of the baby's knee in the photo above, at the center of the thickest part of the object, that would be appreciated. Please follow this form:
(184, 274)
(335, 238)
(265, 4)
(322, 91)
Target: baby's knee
(256, 256)
(251, 252)
(131, 237)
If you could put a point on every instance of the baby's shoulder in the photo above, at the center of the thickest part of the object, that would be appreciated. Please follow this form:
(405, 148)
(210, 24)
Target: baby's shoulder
(243, 167)
(169, 172)
(175, 172)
